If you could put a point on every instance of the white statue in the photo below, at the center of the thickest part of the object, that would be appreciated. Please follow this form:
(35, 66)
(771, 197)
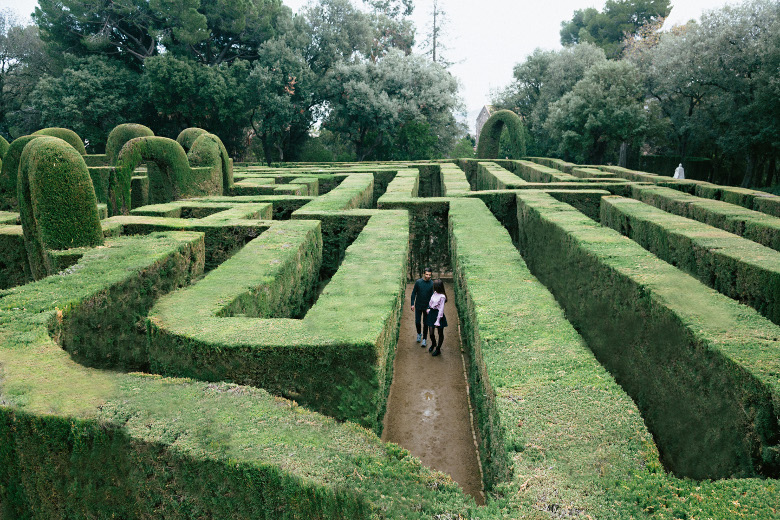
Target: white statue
(679, 172)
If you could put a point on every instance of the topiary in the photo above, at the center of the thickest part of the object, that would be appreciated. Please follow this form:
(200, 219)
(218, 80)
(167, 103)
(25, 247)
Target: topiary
(120, 135)
(187, 137)
(489, 137)
(224, 158)
(9, 173)
(170, 180)
(67, 135)
(57, 202)
(3, 146)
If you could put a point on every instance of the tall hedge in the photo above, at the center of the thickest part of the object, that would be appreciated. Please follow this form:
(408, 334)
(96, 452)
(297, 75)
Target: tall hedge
(489, 138)
(3, 146)
(67, 135)
(120, 135)
(56, 201)
(10, 172)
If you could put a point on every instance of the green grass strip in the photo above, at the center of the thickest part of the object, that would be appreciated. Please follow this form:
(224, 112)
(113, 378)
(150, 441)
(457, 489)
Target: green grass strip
(702, 368)
(337, 359)
(734, 266)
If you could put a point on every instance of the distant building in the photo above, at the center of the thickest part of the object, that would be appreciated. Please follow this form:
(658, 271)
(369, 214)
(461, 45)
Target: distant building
(483, 116)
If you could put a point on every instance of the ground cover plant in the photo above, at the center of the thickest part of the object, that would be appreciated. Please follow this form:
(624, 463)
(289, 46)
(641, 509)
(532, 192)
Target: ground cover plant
(230, 354)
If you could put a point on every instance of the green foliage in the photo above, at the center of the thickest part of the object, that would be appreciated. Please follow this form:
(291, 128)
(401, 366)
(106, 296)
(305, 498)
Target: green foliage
(188, 136)
(740, 269)
(487, 147)
(67, 135)
(120, 134)
(373, 101)
(620, 19)
(9, 173)
(91, 96)
(464, 147)
(4, 145)
(605, 107)
(56, 201)
(638, 315)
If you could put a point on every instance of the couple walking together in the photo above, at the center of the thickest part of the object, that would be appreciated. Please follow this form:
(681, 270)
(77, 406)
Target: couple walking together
(428, 299)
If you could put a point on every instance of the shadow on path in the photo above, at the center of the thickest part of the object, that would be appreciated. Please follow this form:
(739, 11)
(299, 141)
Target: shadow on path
(428, 408)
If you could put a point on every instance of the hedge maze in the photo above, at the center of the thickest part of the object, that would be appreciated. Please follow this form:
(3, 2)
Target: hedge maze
(184, 337)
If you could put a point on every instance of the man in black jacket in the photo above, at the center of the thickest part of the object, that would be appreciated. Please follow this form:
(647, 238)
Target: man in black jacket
(421, 295)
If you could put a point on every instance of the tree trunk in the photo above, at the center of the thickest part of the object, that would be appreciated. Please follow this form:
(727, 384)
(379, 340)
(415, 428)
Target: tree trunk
(267, 148)
(623, 159)
(747, 181)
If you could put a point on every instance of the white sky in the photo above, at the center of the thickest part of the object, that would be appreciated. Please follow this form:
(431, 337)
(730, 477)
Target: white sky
(487, 38)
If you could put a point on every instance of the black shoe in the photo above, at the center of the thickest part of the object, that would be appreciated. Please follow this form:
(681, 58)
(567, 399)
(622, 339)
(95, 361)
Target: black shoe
(430, 349)
(436, 352)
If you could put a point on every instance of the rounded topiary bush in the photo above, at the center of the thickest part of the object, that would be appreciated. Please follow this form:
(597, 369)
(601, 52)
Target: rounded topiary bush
(187, 137)
(57, 202)
(169, 180)
(490, 136)
(120, 135)
(9, 173)
(67, 135)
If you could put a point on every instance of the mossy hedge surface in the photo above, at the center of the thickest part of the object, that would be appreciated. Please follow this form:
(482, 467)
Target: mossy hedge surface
(67, 135)
(57, 202)
(489, 137)
(702, 368)
(753, 225)
(741, 269)
(336, 359)
(120, 135)
(81, 442)
(14, 269)
(3, 146)
(9, 174)
(491, 176)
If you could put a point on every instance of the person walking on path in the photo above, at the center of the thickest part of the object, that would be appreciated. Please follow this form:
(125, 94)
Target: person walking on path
(421, 295)
(435, 318)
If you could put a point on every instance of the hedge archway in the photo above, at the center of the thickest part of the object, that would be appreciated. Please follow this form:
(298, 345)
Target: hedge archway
(9, 173)
(67, 135)
(120, 135)
(489, 138)
(57, 202)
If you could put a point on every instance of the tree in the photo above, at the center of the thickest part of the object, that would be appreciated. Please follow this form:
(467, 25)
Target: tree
(541, 80)
(23, 61)
(619, 19)
(91, 97)
(372, 102)
(183, 93)
(436, 31)
(605, 107)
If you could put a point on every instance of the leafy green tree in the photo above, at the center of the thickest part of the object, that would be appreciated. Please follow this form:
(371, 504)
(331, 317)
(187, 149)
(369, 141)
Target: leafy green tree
(183, 93)
(90, 97)
(23, 61)
(618, 20)
(281, 98)
(542, 79)
(604, 108)
(371, 102)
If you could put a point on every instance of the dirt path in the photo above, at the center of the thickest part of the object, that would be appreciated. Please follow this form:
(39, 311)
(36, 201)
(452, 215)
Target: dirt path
(428, 408)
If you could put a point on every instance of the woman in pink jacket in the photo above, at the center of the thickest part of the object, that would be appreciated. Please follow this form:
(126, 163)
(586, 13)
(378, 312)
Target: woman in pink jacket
(435, 318)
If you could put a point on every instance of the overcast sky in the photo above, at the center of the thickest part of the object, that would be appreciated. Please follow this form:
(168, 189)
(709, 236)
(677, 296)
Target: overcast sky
(487, 38)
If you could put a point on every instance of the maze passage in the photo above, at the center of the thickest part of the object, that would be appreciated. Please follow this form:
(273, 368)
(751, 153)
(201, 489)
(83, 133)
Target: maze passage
(221, 340)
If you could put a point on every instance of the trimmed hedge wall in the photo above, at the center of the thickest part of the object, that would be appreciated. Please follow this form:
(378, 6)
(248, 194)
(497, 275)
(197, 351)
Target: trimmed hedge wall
(491, 176)
(489, 137)
(557, 164)
(14, 268)
(734, 266)
(67, 135)
(556, 429)
(453, 181)
(428, 240)
(701, 367)
(120, 135)
(80, 442)
(533, 172)
(57, 202)
(750, 224)
(337, 359)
